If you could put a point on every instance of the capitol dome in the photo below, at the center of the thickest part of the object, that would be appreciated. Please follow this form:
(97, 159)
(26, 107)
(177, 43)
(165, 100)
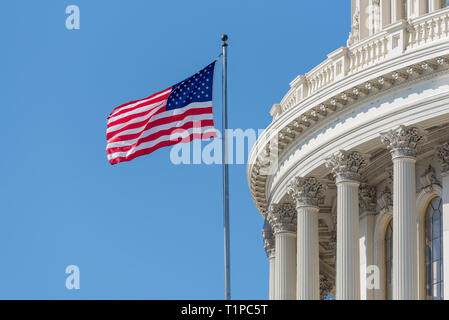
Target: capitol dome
(352, 174)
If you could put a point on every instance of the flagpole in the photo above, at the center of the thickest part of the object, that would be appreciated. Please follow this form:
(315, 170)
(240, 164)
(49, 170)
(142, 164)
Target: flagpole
(227, 258)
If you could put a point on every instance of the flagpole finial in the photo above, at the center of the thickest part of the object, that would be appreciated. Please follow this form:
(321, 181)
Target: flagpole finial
(224, 38)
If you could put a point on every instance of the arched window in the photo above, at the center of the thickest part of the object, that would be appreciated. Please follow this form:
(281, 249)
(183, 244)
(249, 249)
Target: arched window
(434, 250)
(389, 261)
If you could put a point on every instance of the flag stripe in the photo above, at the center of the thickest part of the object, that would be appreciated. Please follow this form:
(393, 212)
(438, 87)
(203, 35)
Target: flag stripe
(141, 108)
(117, 124)
(172, 133)
(161, 144)
(137, 102)
(130, 137)
(155, 144)
(133, 123)
(157, 118)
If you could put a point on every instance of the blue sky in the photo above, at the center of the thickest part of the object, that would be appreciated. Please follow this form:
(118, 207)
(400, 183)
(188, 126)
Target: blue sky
(146, 229)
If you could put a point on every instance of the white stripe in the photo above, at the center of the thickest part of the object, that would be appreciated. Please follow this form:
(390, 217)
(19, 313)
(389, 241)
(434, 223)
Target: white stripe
(166, 114)
(150, 131)
(142, 101)
(152, 143)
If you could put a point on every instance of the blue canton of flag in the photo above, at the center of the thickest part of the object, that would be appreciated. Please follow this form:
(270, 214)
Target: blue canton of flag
(197, 88)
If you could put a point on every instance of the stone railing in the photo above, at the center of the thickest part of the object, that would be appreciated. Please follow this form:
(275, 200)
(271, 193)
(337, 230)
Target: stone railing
(392, 41)
(369, 52)
(428, 28)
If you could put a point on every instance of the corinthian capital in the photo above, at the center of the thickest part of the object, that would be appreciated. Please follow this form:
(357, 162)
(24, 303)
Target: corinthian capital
(367, 198)
(268, 242)
(282, 217)
(403, 141)
(443, 156)
(347, 165)
(306, 191)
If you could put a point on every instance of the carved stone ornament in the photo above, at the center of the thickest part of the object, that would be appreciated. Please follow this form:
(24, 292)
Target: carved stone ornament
(326, 286)
(306, 191)
(443, 156)
(347, 165)
(390, 174)
(269, 242)
(403, 142)
(354, 35)
(367, 198)
(282, 217)
(385, 201)
(429, 179)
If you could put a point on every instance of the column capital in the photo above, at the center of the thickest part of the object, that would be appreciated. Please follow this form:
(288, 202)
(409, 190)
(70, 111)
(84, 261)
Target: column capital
(403, 141)
(306, 191)
(269, 242)
(443, 156)
(282, 218)
(367, 198)
(347, 165)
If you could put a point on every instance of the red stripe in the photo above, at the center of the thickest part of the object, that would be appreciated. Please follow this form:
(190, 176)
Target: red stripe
(162, 144)
(149, 124)
(156, 135)
(135, 101)
(140, 105)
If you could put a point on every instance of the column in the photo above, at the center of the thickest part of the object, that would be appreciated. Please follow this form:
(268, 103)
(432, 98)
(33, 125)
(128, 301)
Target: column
(434, 5)
(282, 218)
(375, 16)
(416, 8)
(270, 249)
(385, 9)
(364, 18)
(402, 143)
(307, 192)
(443, 155)
(367, 201)
(396, 11)
(423, 6)
(347, 168)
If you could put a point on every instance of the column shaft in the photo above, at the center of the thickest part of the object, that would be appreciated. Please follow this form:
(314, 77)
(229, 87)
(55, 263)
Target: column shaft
(405, 272)
(272, 283)
(308, 275)
(348, 268)
(285, 267)
(435, 5)
(396, 11)
(366, 255)
(446, 234)
(385, 9)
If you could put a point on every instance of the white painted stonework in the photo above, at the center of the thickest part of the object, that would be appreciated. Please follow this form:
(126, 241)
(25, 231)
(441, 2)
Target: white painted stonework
(362, 141)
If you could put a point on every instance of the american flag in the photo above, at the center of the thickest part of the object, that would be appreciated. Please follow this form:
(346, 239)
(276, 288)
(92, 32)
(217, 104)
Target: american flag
(178, 114)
